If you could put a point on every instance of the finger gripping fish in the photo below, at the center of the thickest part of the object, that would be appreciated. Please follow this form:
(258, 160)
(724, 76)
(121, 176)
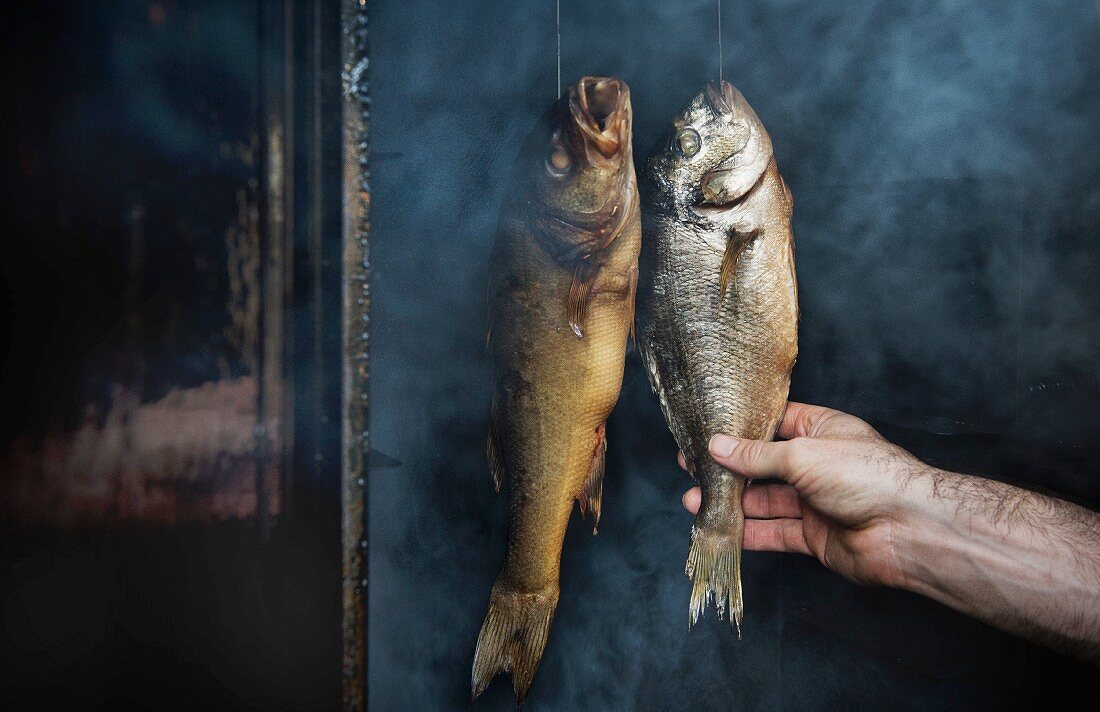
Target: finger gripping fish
(563, 276)
(717, 312)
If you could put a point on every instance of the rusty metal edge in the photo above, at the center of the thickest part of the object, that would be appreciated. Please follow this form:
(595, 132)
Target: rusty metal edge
(356, 347)
(274, 214)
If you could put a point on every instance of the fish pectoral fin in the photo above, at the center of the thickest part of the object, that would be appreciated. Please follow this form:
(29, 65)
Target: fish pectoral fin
(492, 450)
(590, 497)
(512, 637)
(580, 294)
(735, 247)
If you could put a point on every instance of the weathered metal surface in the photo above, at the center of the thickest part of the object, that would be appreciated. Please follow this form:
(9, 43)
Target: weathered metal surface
(176, 271)
(177, 199)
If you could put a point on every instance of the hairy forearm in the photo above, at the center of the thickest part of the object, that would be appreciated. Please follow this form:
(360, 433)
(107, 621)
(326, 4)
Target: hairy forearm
(1021, 561)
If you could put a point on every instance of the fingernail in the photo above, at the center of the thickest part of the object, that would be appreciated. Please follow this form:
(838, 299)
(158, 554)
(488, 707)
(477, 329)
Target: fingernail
(722, 445)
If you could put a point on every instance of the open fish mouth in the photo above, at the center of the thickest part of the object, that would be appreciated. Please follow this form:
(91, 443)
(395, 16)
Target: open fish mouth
(601, 110)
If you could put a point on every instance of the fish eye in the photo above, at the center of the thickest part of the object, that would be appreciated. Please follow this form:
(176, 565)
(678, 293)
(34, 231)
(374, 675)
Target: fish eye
(558, 162)
(688, 142)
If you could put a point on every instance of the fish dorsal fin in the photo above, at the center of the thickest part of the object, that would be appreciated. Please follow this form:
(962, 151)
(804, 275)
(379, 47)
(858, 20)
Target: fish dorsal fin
(735, 247)
(580, 293)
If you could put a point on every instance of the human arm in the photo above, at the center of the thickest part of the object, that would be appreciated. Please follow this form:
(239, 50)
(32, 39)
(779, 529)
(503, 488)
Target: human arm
(867, 509)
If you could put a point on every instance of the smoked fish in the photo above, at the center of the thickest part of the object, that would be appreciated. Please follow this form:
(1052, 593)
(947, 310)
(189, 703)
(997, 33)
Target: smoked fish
(563, 277)
(717, 311)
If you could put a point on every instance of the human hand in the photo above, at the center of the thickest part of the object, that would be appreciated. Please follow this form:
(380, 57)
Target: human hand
(1024, 562)
(845, 496)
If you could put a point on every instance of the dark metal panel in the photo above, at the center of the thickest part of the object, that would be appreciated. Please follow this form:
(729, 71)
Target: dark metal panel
(173, 388)
(138, 255)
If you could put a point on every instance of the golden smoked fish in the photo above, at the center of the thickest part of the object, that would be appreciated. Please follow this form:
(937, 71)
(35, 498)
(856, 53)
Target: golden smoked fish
(561, 305)
(718, 311)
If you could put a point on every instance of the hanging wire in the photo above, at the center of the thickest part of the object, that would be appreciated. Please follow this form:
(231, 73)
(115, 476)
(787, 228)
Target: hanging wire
(719, 42)
(558, 9)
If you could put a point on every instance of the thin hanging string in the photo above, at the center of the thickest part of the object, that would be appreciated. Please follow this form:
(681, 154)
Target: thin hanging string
(558, 9)
(719, 42)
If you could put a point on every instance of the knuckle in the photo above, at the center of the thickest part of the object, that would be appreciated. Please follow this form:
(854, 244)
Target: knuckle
(798, 451)
(839, 423)
(862, 427)
(754, 449)
(746, 452)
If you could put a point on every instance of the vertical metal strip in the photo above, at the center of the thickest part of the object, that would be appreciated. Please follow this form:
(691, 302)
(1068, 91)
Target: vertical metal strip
(356, 347)
(286, 407)
(270, 236)
(275, 179)
(316, 242)
(263, 240)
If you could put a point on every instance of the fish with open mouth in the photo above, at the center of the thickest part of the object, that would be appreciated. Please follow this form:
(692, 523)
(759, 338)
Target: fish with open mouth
(717, 311)
(563, 277)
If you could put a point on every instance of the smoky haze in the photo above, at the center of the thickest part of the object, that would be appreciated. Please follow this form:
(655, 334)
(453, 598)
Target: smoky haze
(944, 162)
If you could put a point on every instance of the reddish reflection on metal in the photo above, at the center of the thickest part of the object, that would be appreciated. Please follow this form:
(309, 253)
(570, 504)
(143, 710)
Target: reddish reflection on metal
(189, 456)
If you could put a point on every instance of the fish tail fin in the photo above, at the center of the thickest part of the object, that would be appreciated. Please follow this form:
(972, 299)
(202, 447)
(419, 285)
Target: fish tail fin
(512, 637)
(590, 498)
(714, 567)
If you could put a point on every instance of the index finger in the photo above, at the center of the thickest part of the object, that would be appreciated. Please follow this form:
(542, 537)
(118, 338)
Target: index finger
(802, 420)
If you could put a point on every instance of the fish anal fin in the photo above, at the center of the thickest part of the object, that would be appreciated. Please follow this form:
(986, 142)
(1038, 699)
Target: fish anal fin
(492, 448)
(512, 637)
(580, 294)
(735, 247)
(591, 495)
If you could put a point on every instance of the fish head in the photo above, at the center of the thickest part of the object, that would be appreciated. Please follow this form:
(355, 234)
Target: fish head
(714, 154)
(582, 165)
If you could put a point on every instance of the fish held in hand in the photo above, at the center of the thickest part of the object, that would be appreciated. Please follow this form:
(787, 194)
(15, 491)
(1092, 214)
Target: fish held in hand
(717, 312)
(562, 283)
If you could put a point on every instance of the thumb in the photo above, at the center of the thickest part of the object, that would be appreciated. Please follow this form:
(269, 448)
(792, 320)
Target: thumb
(755, 459)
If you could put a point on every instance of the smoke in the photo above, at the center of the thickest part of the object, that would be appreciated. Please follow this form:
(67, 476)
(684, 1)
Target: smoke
(943, 160)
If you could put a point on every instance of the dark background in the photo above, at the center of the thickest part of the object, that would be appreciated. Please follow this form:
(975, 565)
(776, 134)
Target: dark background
(945, 165)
